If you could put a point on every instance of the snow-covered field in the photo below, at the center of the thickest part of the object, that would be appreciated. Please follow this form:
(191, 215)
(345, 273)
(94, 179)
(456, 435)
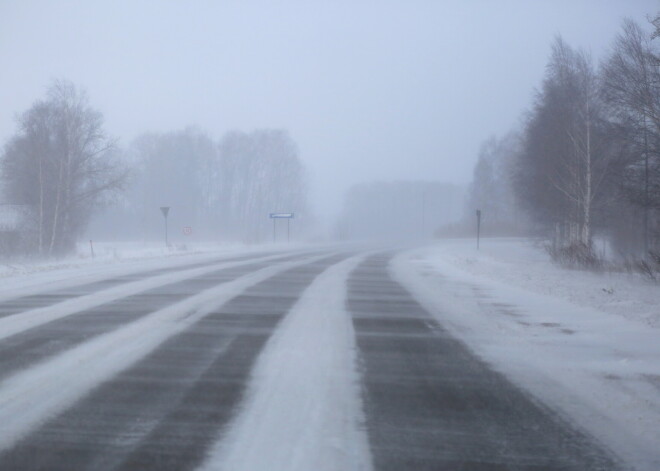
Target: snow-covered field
(587, 344)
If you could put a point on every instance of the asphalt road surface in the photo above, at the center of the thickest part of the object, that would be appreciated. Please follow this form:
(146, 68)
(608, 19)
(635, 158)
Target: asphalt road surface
(432, 405)
(428, 402)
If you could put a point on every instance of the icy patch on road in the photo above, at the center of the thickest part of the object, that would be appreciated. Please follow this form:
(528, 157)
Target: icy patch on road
(596, 368)
(303, 410)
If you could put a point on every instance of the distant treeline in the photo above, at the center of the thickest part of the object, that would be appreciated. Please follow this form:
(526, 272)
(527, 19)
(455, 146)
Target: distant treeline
(221, 190)
(587, 158)
(60, 170)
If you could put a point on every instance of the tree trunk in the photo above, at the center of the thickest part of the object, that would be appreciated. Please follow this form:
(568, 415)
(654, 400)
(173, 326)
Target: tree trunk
(41, 205)
(586, 223)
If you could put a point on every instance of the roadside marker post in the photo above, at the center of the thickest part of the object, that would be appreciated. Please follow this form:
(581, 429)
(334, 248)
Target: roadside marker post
(165, 210)
(478, 226)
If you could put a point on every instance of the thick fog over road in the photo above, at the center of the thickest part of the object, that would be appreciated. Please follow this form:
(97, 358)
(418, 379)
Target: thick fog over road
(369, 90)
(329, 236)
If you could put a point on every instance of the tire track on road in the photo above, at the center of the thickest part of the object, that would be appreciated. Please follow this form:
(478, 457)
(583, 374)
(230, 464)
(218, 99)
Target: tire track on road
(33, 345)
(19, 304)
(30, 397)
(431, 404)
(166, 410)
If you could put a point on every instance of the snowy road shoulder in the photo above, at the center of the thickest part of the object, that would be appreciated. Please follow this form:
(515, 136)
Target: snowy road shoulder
(599, 369)
(303, 407)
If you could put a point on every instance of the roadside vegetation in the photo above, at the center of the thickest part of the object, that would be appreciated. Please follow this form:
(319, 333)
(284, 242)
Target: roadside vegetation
(585, 162)
(61, 168)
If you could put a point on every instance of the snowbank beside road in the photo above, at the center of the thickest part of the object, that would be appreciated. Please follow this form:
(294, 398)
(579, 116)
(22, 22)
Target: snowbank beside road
(524, 263)
(555, 332)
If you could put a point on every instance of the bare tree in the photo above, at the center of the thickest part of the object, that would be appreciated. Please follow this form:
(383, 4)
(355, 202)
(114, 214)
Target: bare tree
(260, 173)
(631, 90)
(176, 169)
(563, 163)
(61, 164)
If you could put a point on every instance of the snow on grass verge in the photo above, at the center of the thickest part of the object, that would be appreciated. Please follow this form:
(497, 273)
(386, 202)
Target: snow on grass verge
(303, 410)
(32, 396)
(524, 263)
(599, 368)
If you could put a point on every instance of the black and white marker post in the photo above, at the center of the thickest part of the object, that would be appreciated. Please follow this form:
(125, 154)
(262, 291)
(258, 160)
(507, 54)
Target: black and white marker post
(478, 226)
(165, 210)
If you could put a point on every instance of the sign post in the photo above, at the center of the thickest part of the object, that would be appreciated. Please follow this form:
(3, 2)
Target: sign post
(165, 210)
(478, 226)
(288, 217)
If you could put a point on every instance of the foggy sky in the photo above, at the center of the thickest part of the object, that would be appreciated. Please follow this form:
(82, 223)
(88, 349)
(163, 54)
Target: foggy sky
(370, 90)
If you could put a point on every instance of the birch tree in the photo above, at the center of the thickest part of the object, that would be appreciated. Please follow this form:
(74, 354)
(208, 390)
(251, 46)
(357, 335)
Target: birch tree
(60, 164)
(631, 91)
(563, 164)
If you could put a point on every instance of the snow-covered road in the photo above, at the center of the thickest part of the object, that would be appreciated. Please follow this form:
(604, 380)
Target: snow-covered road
(303, 359)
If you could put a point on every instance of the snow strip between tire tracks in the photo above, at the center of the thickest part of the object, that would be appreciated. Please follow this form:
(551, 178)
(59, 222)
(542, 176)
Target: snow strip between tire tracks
(303, 410)
(24, 320)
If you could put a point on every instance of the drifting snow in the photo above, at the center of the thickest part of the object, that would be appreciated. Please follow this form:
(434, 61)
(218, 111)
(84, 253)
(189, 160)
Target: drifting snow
(24, 320)
(524, 263)
(303, 408)
(39, 392)
(555, 332)
(19, 278)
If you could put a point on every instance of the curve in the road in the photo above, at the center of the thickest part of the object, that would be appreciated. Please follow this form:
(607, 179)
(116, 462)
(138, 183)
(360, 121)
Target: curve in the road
(431, 404)
(166, 410)
(19, 304)
(31, 346)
